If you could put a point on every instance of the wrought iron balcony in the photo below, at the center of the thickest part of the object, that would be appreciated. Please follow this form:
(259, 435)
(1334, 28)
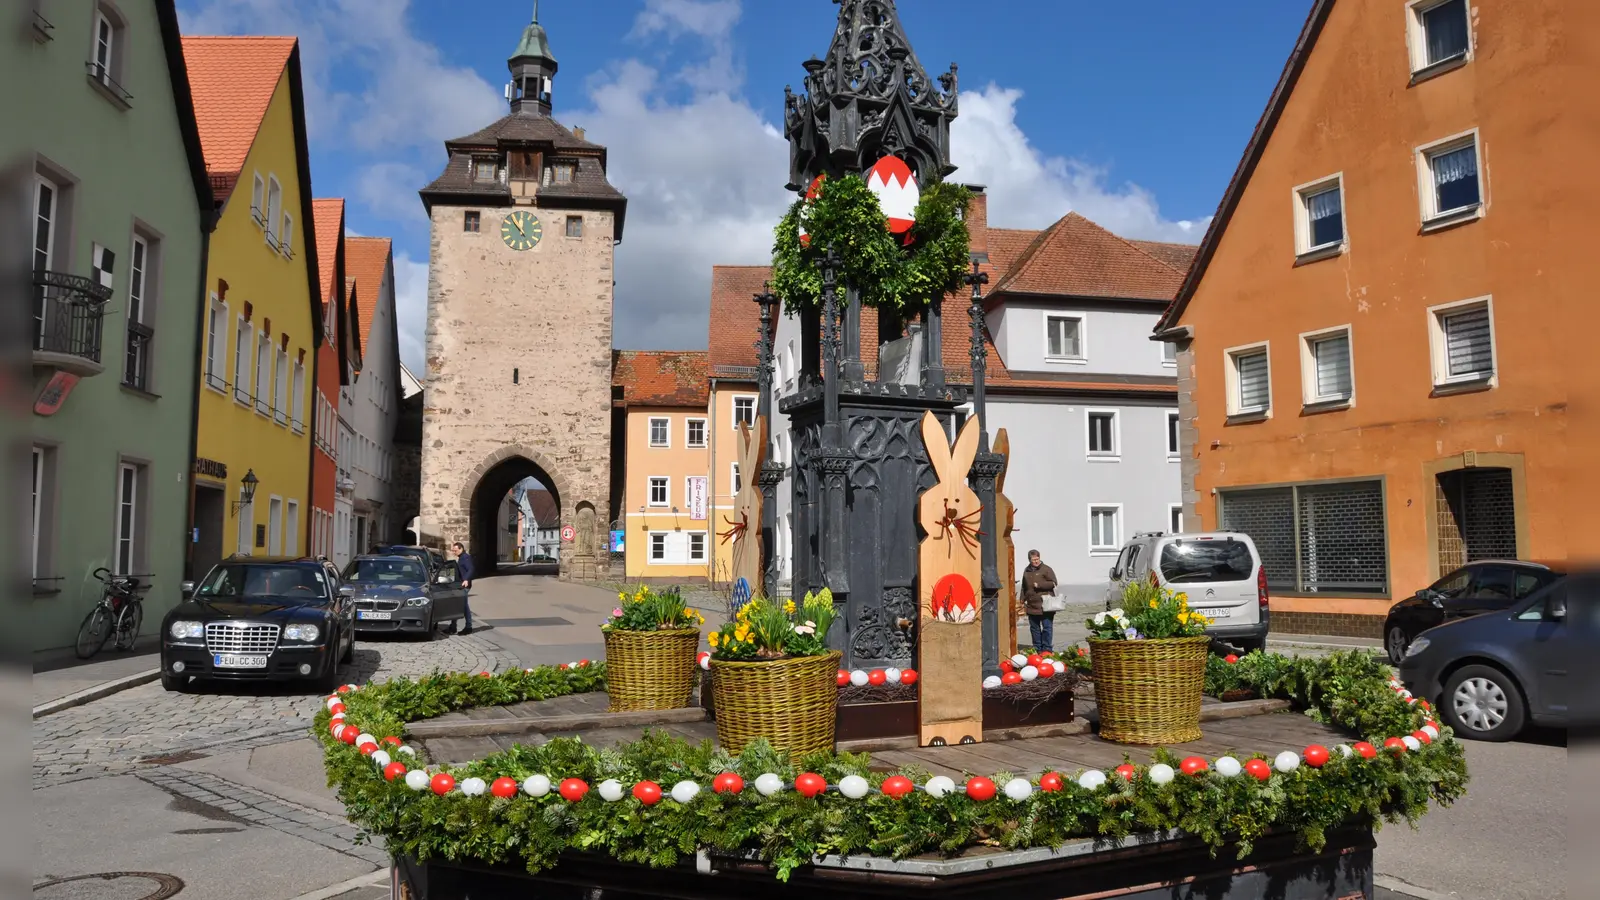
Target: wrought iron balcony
(67, 315)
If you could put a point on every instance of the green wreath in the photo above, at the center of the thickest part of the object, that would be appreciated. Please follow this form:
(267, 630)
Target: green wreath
(846, 215)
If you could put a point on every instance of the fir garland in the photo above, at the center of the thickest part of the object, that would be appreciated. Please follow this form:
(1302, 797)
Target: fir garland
(846, 216)
(1350, 690)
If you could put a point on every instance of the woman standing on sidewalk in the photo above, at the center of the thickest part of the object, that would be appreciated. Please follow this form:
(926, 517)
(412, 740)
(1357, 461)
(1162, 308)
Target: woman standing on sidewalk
(1038, 580)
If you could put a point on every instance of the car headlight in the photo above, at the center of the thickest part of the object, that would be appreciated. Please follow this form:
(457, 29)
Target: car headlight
(1417, 646)
(305, 633)
(184, 630)
(418, 601)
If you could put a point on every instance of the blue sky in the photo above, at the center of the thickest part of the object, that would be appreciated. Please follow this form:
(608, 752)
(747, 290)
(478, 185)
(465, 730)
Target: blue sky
(1131, 114)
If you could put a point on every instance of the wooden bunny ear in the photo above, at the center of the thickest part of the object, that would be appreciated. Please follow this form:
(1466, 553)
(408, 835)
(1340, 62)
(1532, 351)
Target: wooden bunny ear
(966, 450)
(938, 445)
(1002, 447)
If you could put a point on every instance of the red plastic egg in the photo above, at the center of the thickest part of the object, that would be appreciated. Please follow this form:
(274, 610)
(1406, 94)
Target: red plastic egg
(877, 677)
(843, 678)
(1422, 736)
(908, 676)
(897, 786)
(1034, 659)
(442, 783)
(504, 787)
(349, 736)
(562, 666)
(573, 789)
(1316, 756)
(1258, 769)
(1192, 765)
(394, 770)
(484, 675)
(1230, 659)
(646, 792)
(727, 783)
(392, 741)
(336, 709)
(1127, 771)
(809, 784)
(980, 789)
(1006, 666)
(344, 688)
(1395, 744)
(368, 748)
(1366, 750)
(584, 663)
(1011, 678)
(1050, 781)
(1046, 669)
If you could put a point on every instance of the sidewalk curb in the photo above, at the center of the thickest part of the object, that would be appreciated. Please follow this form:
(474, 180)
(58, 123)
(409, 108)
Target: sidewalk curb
(1390, 883)
(88, 695)
(376, 876)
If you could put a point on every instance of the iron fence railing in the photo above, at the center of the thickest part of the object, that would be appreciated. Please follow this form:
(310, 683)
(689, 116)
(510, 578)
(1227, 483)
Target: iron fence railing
(136, 367)
(67, 314)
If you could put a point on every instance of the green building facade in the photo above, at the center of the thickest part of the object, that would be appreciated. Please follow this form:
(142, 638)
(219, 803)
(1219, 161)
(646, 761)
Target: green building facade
(105, 141)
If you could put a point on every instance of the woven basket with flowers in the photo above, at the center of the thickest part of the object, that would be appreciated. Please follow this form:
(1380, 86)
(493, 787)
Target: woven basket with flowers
(773, 676)
(651, 641)
(1149, 659)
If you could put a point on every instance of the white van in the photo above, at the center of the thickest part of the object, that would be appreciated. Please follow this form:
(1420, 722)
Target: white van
(1219, 570)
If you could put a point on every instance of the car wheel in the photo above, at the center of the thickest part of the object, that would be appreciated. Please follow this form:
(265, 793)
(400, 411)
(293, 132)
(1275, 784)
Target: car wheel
(1395, 642)
(1484, 704)
(175, 684)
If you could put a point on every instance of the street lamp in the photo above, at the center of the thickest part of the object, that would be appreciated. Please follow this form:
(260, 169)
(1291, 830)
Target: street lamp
(247, 491)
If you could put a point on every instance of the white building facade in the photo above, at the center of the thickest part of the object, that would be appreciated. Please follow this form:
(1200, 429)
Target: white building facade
(369, 406)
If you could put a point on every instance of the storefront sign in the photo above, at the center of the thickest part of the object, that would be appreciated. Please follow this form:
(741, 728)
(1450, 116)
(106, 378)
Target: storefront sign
(210, 468)
(618, 545)
(697, 498)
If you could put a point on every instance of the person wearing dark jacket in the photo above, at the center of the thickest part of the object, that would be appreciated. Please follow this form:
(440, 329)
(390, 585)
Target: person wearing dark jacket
(1038, 580)
(464, 568)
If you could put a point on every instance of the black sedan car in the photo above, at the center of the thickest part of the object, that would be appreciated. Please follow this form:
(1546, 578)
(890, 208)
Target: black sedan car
(261, 619)
(1491, 674)
(433, 560)
(394, 593)
(1489, 585)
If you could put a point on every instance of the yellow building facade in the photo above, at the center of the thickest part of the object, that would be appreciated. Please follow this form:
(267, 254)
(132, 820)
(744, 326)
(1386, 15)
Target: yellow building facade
(257, 372)
(668, 514)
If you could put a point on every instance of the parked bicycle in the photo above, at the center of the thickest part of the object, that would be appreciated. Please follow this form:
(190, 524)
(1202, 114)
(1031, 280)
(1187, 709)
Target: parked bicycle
(120, 612)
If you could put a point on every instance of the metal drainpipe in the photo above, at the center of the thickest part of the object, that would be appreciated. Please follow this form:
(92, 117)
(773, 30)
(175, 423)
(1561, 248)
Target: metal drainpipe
(711, 490)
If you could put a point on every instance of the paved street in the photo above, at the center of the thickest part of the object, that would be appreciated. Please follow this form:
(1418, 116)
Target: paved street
(218, 789)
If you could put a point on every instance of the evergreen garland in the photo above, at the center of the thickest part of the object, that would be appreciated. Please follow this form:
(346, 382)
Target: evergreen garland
(1349, 690)
(846, 215)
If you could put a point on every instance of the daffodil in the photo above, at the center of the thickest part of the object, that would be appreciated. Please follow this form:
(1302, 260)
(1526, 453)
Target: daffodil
(788, 607)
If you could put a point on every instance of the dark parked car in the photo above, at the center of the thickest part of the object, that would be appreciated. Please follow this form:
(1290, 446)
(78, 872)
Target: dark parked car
(259, 620)
(1493, 673)
(1486, 586)
(397, 593)
(433, 559)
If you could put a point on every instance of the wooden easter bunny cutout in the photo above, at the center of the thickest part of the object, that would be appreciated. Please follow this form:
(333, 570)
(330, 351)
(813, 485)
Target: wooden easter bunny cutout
(949, 587)
(1005, 556)
(743, 527)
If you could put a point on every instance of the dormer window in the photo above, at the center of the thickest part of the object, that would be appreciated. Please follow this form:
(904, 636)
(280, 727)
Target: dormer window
(562, 173)
(485, 169)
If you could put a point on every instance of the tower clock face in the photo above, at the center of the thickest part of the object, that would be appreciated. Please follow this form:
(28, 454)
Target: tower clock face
(521, 230)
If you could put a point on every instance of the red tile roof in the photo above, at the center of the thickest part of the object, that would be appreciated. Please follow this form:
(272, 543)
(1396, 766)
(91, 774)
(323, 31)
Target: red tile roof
(1178, 256)
(328, 225)
(366, 259)
(1077, 258)
(662, 377)
(735, 319)
(232, 80)
(544, 507)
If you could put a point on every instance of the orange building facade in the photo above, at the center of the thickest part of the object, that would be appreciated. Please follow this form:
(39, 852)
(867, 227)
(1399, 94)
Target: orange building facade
(1372, 383)
(667, 495)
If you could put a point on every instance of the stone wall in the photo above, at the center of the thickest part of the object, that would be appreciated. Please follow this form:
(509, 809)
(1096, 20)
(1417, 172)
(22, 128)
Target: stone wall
(519, 367)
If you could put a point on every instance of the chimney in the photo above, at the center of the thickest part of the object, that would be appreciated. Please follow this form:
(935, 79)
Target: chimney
(577, 132)
(978, 219)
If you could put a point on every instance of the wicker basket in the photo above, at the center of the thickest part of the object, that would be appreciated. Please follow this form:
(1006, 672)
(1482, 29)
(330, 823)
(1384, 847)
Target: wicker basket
(790, 702)
(1148, 691)
(650, 669)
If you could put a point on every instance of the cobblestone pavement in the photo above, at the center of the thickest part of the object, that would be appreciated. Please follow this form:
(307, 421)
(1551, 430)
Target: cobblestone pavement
(146, 726)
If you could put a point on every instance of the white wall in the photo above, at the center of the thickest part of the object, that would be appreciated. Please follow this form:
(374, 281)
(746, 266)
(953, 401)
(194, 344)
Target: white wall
(1115, 338)
(373, 410)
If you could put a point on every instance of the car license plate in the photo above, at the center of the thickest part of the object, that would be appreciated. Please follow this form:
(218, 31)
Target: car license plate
(1214, 614)
(233, 661)
(379, 616)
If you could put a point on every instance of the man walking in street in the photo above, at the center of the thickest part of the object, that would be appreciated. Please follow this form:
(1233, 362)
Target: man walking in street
(1038, 580)
(464, 571)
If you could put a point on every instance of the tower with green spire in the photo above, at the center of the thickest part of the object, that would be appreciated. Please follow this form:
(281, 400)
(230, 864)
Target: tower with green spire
(533, 70)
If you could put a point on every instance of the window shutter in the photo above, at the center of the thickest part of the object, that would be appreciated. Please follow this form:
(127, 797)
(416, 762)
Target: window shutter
(1254, 390)
(1333, 367)
(1467, 346)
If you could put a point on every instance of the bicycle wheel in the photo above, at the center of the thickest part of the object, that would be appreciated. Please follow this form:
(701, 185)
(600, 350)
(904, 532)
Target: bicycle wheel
(94, 632)
(129, 622)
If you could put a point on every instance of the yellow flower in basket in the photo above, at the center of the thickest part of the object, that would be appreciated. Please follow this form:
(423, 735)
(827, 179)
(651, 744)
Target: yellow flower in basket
(1183, 618)
(1153, 604)
(788, 607)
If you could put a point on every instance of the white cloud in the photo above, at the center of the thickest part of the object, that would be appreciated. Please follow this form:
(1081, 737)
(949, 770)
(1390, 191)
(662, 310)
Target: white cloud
(411, 311)
(1028, 189)
(389, 190)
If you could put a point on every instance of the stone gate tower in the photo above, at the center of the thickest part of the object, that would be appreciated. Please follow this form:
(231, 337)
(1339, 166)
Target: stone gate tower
(523, 226)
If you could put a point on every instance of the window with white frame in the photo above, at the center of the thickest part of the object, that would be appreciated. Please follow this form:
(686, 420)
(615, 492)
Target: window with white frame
(136, 362)
(40, 512)
(1103, 428)
(108, 42)
(1105, 528)
(128, 549)
(274, 209)
(1174, 448)
(1450, 183)
(660, 490)
(47, 217)
(280, 399)
(216, 344)
(1063, 337)
(1439, 33)
(1319, 216)
(735, 483)
(258, 199)
(286, 236)
(695, 433)
(1325, 366)
(1175, 518)
(291, 527)
(1169, 354)
(299, 400)
(660, 432)
(1249, 380)
(744, 411)
(658, 547)
(697, 546)
(264, 374)
(241, 360)
(274, 526)
(1462, 338)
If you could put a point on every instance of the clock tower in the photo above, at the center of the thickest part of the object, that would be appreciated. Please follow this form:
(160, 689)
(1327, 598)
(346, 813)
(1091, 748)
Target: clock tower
(524, 223)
